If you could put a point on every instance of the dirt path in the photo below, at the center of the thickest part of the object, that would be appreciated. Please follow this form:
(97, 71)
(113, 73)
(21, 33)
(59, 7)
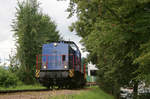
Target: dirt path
(39, 95)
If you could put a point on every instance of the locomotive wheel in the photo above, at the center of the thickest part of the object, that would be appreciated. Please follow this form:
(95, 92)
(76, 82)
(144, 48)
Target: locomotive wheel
(60, 87)
(51, 87)
(47, 86)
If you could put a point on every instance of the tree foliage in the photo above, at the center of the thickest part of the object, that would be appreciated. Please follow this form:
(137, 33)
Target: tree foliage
(32, 28)
(116, 35)
(7, 79)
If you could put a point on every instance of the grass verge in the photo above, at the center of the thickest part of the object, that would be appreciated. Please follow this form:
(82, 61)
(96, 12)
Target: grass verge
(94, 93)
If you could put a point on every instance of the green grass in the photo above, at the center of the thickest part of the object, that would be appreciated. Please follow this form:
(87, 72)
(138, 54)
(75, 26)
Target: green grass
(94, 93)
(23, 87)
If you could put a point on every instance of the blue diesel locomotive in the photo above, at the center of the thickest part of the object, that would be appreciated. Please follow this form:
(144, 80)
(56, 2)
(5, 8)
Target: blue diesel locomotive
(60, 65)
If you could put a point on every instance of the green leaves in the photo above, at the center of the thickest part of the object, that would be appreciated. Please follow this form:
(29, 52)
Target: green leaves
(116, 35)
(7, 79)
(32, 29)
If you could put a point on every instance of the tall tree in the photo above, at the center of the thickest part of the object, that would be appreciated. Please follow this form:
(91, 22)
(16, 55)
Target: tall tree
(116, 34)
(32, 28)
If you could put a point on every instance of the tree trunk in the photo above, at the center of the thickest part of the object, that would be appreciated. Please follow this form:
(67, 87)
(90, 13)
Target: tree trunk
(135, 90)
(116, 90)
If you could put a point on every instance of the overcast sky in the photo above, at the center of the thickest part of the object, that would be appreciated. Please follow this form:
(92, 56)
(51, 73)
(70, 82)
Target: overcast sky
(55, 9)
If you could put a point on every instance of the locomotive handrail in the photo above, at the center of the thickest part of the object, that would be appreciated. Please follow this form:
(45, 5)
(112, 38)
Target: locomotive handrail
(76, 63)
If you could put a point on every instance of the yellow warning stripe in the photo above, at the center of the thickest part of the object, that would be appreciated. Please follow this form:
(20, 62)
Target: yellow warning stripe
(37, 74)
(71, 73)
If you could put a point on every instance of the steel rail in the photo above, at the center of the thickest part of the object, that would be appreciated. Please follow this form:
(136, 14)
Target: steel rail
(37, 90)
(26, 90)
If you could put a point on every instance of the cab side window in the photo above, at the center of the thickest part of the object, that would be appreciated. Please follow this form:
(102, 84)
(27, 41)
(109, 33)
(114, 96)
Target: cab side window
(63, 57)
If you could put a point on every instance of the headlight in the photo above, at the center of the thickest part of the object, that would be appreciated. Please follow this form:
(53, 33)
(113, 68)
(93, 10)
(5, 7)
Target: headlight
(55, 44)
(65, 67)
(44, 67)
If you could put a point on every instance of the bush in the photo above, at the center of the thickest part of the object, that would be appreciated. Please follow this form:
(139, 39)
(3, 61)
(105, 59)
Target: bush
(7, 78)
(144, 96)
(25, 77)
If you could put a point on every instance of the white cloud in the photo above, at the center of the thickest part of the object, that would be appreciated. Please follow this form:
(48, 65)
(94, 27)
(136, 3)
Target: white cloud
(55, 9)
(7, 13)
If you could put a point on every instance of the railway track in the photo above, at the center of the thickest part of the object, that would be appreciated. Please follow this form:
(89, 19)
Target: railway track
(38, 94)
(91, 84)
(38, 90)
(26, 90)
